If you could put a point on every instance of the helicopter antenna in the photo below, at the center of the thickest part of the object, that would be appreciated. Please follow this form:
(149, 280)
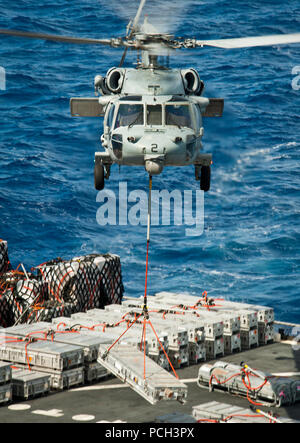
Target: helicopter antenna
(133, 25)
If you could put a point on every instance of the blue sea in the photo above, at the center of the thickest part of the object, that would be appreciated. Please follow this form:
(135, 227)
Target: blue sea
(249, 250)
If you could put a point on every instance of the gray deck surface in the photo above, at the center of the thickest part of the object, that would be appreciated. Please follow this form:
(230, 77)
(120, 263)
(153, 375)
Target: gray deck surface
(124, 404)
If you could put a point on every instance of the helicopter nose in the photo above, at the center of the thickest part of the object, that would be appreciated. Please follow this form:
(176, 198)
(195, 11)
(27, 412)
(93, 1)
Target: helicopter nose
(154, 150)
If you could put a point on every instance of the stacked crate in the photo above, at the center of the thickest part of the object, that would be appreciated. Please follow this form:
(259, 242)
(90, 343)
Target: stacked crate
(216, 412)
(247, 315)
(5, 383)
(28, 384)
(96, 318)
(265, 319)
(212, 325)
(263, 326)
(89, 344)
(29, 349)
(178, 334)
(195, 330)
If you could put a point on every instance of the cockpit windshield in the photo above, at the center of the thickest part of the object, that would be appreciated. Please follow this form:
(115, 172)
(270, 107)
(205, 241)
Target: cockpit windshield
(178, 115)
(154, 115)
(130, 115)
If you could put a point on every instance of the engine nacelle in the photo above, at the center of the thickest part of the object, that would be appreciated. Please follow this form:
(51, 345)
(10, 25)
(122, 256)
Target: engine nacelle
(192, 83)
(115, 79)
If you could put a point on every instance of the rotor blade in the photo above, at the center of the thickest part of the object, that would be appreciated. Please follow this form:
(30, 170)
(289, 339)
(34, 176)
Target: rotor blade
(138, 15)
(267, 40)
(61, 38)
(133, 29)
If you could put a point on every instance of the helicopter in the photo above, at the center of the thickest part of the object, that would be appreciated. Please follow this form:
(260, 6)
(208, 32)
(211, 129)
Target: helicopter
(153, 115)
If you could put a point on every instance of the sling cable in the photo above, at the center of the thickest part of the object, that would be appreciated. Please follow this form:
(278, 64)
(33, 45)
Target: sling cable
(145, 312)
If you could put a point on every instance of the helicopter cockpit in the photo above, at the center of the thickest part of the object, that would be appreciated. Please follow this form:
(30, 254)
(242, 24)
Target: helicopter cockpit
(129, 114)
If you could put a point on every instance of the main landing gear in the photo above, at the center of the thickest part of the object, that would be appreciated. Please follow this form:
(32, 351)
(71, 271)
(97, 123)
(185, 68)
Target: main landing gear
(203, 174)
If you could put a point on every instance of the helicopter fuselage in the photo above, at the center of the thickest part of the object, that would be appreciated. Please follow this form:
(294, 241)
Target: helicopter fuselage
(154, 131)
(153, 117)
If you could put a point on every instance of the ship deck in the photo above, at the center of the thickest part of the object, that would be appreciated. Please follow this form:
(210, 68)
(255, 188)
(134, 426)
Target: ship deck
(111, 401)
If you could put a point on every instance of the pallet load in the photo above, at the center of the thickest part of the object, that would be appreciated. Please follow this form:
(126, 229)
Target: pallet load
(63, 362)
(142, 374)
(215, 412)
(185, 340)
(251, 383)
(99, 319)
(58, 287)
(256, 322)
(28, 384)
(89, 344)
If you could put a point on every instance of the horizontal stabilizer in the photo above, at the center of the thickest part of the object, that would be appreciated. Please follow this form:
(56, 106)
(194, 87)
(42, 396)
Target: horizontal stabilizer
(215, 108)
(86, 107)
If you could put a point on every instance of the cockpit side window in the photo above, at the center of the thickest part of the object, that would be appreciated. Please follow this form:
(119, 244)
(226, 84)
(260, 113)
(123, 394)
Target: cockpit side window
(130, 115)
(110, 117)
(178, 115)
(154, 115)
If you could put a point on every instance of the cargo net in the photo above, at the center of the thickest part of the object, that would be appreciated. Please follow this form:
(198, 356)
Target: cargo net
(4, 261)
(60, 288)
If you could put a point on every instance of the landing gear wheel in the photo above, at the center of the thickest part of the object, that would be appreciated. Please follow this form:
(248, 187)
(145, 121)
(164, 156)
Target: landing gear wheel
(99, 177)
(205, 178)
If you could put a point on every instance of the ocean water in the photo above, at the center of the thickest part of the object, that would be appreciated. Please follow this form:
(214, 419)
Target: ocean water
(250, 246)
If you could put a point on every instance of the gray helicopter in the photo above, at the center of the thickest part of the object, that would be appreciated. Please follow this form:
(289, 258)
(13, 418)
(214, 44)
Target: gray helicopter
(153, 115)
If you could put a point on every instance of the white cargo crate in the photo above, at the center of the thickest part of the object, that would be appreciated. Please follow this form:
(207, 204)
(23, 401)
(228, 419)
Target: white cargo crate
(212, 324)
(195, 332)
(5, 394)
(232, 343)
(127, 364)
(28, 384)
(259, 385)
(265, 333)
(5, 373)
(197, 352)
(89, 345)
(42, 354)
(94, 372)
(257, 313)
(214, 348)
(249, 338)
(226, 413)
(60, 380)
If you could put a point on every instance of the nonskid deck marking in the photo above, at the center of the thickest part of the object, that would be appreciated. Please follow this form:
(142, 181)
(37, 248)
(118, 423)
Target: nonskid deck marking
(83, 417)
(19, 407)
